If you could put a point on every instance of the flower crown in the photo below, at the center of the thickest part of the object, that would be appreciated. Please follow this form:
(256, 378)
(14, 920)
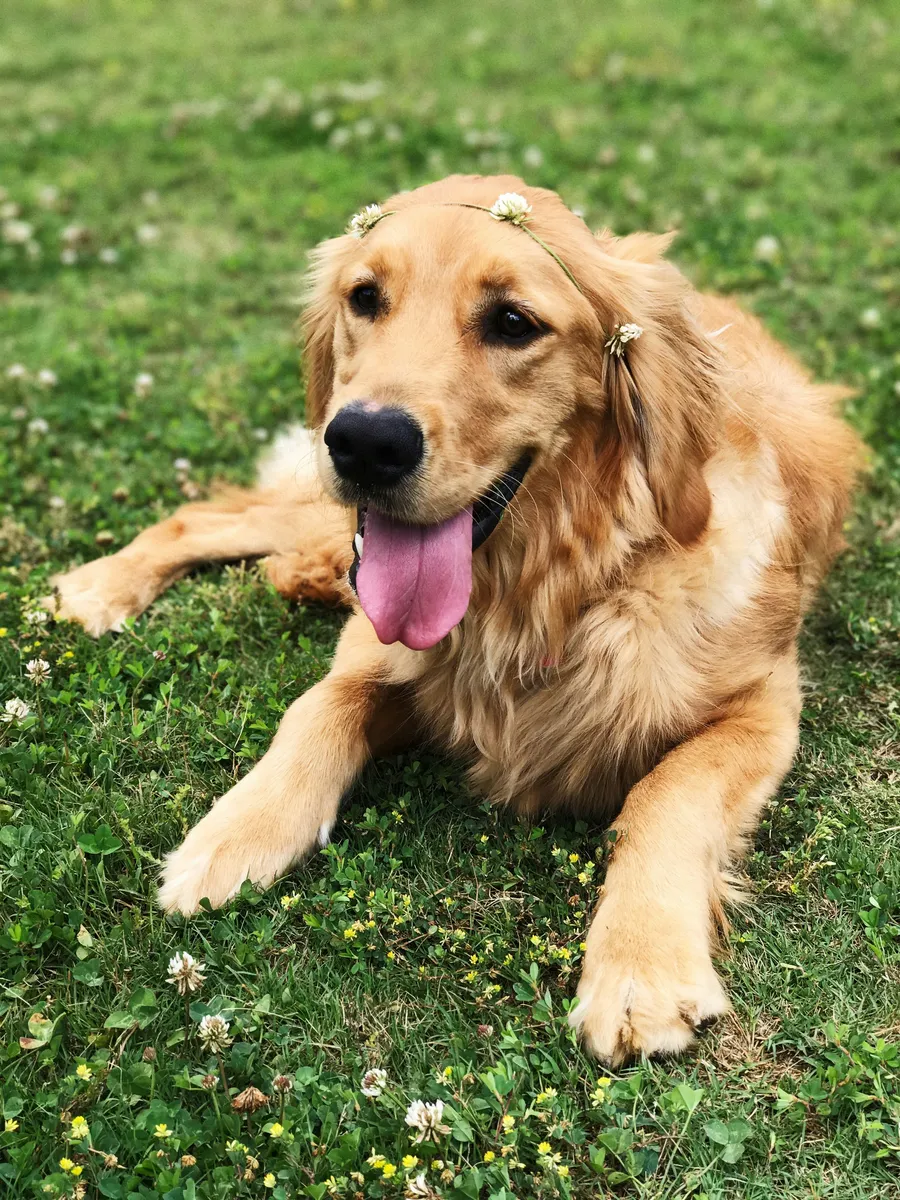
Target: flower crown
(514, 209)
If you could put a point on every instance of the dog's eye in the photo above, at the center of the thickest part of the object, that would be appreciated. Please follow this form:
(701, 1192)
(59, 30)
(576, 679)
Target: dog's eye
(364, 300)
(508, 325)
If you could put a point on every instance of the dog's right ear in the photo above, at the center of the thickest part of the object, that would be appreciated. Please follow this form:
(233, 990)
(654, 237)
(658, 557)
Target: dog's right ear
(321, 303)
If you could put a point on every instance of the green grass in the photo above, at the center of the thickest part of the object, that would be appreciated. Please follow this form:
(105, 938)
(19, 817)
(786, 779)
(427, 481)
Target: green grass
(734, 122)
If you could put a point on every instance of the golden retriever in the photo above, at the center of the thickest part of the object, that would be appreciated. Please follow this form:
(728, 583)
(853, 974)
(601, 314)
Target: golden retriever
(622, 644)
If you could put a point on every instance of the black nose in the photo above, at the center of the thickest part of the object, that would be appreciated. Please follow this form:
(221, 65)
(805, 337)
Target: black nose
(374, 447)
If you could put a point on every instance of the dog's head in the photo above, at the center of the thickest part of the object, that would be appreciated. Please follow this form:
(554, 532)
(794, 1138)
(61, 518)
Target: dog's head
(450, 354)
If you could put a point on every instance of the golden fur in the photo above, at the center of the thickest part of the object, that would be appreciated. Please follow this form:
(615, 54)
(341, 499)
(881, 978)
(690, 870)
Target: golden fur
(629, 650)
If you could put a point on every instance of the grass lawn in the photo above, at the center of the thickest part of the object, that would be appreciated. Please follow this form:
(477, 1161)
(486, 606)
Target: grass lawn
(165, 167)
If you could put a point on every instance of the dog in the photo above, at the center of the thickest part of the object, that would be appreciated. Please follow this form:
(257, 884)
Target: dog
(578, 510)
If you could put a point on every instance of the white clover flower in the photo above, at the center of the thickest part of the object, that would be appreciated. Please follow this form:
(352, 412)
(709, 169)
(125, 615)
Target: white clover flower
(767, 248)
(213, 1034)
(533, 157)
(38, 425)
(36, 616)
(150, 198)
(511, 207)
(622, 334)
(48, 196)
(366, 219)
(426, 1117)
(645, 153)
(37, 671)
(109, 255)
(47, 378)
(15, 710)
(17, 371)
(17, 233)
(374, 1082)
(182, 464)
(419, 1189)
(186, 972)
(261, 435)
(322, 118)
(68, 257)
(56, 502)
(339, 137)
(9, 211)
(143, 384)
(147, 235)
(73, 234)
(870, 318)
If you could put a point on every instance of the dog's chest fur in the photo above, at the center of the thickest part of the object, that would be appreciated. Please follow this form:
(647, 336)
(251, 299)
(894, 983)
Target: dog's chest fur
(645, 662)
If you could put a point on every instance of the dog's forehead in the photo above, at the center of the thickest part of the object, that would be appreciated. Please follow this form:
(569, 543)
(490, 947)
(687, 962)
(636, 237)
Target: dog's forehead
(431, 245)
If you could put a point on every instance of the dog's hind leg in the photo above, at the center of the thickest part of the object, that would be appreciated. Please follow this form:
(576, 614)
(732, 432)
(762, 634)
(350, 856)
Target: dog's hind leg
(289, 521)
(308, 534)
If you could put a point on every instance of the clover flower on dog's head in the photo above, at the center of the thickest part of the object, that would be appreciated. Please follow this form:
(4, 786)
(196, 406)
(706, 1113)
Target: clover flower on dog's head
(186, 973)
(374, 1082)
(213, 1034)
(622, 334)
(426, 1117)
(367, 218)
(511, 207)
(37, 670)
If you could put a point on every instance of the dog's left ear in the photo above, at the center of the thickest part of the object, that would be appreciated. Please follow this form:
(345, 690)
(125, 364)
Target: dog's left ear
(664, 388)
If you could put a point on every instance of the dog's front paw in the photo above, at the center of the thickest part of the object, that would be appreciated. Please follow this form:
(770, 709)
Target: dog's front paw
(645, 994)
(100, 595)
(254, 832)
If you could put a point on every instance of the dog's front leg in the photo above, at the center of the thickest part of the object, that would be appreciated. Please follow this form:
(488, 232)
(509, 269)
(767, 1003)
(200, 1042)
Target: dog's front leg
(288, 802)
(648, 980)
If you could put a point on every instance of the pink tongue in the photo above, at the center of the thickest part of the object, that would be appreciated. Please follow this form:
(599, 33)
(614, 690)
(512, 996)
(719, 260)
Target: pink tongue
(414, 581)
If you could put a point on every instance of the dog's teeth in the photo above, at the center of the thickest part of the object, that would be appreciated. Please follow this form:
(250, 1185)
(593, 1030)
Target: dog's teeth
(358, 543)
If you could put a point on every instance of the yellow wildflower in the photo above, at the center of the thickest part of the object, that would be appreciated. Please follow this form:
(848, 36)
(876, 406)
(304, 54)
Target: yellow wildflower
(76, 1171)
(388, 1169)
(563, 1170)
(66, 1164)
(544, 1148)
(277, 1129)
(410, 1161)
(508, 1123)
(10, 1126)
(162, 1131)
(268, 1180)
(83, 1071)
(79, 1129)
(574, 858)
(349, 932)
(448, 1071)
(489, 1156)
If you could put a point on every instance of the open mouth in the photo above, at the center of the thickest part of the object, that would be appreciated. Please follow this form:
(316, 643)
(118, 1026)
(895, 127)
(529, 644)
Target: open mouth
(414, 581)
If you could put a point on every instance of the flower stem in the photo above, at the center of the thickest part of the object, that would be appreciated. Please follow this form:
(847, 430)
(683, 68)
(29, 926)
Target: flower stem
(222, 1074)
